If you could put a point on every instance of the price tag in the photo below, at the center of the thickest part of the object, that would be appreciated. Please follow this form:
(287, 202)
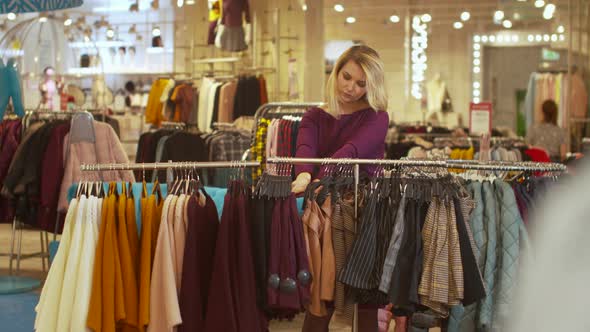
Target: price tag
(480, 118)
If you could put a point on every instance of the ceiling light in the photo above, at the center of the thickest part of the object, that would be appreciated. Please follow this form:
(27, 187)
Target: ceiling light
(339, 8)
(515, 38)
(516, 16)
(507, 24)
(476, 47)
(553, 37)
(547, 15)
(531, 38)
(476, 38)
(465, 16)
(539, 3)
(179, 3)
(492, 39)
(457, 25)
(538, 38)
(560, 29)
(11, 16)
(498, 15)
(501, 39)
(476, 54)
(476, 100)
(350, 19)
(476, 93)
(394, 18)
(561, 37)
(42, 19)
(476, 70)
(426, 18)
(156, 31)
(68, 22)
(484, 39)
(476, 85)
(550, 8)
(476, 62)
(190, 2)
(86, 39)
(546, 38)
(110, 33)
(304, 7)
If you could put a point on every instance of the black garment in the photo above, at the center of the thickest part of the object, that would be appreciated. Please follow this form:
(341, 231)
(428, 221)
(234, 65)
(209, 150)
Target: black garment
(149, 149)
(421, 211)
(216, 106)
(399, 150)
(260, 228)
(182, 146)
(474, 289)
(247, 99)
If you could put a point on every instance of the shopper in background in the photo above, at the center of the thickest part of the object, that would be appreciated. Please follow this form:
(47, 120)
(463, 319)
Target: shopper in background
(547, 135)
(353, 125)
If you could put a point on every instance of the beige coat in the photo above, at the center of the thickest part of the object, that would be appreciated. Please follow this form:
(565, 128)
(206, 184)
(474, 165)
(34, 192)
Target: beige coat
(106, 149)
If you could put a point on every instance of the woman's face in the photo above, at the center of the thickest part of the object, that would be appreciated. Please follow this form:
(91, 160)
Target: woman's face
(352, 83)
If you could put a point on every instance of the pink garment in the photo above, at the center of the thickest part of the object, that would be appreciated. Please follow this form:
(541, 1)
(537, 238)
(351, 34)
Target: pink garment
(106, 149)
(227, 95)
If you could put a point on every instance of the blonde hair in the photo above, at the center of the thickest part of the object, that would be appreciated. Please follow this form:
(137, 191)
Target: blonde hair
(368, 59)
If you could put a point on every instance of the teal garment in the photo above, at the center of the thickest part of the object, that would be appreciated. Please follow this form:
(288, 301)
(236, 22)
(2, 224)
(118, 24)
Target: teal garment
(509, 253)
(37, 6)
(490, 210)
(10, 88)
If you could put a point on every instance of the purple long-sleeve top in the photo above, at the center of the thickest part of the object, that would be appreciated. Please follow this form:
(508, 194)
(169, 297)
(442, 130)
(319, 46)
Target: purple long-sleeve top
(359, 135)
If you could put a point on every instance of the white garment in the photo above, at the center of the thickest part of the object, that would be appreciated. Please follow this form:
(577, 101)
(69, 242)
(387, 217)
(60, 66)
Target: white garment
(436, 94)
(203, 103)
(163, 286)
(86, 266)
(211, 104)
(180, 228)
(68, 292)
(48, 306)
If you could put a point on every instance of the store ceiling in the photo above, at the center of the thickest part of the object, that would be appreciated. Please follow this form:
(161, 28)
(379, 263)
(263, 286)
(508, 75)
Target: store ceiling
(107, 6)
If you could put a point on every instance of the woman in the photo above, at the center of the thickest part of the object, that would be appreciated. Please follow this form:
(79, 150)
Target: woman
(353, 125)
(355, 122)
(547, 135)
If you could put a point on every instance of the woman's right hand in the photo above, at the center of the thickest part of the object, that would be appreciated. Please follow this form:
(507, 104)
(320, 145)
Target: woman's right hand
(301, 182)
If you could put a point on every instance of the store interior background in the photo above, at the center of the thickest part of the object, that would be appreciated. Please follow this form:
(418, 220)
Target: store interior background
(302, 30)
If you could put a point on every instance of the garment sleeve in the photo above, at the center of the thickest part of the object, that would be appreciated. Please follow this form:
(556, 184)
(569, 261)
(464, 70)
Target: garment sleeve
(370, 134)
(307, 140)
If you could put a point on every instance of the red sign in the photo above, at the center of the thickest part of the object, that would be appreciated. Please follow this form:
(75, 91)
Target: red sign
(480, 118)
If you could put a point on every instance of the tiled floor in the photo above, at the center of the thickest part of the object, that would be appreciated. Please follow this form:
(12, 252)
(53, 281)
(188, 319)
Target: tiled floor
(33, 268)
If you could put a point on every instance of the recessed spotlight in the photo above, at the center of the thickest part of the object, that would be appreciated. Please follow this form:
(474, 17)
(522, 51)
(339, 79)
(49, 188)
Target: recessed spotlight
(476, 93)
(498, 15)
(350, 19)
(550, 8)
(500, 39)
(458, 25)
(476, 47)
(561, 37)
(190, 2)
(476, 62)
(304, 7)
(426, 18)
(11, 16)
(531, 38)
(86, 39)
(339, 8)
(476, 38)
(515, 38)
(394, 19)
(484, 39)
(538, 38)
(476, 100)
(110, 33)
(547, 15)
(476, 85)
(156, 31)
(68, 22)
(553, 37)
(476, 54)
(465, 16)
(476, 70)
(492, 39)
(516, 16)
(539, 3)
(179, 3)
(507, 24)
(43, 19)
(560, 29)
(546, 38)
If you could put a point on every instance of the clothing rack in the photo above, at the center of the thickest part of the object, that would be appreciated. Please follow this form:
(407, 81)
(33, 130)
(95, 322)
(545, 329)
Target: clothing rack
(173, 125)
(169, 165)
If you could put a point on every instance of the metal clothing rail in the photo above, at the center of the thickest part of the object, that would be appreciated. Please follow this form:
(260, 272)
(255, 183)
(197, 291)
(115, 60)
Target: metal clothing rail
(448, 163)
(169, 165)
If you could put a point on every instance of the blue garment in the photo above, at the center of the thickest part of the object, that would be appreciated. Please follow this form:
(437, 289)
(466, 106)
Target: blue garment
(10, 89)
(529, 102)
(159, 152)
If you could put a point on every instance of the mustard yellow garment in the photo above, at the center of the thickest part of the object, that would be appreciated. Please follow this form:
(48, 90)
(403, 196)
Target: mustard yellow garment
(127, 266)
(153, 110)
(132, 236)
(148, 207)
(107, 305)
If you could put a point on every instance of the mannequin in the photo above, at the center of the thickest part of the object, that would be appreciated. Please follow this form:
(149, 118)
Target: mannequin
(99, 92)
(50, 89)
(435, 89)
